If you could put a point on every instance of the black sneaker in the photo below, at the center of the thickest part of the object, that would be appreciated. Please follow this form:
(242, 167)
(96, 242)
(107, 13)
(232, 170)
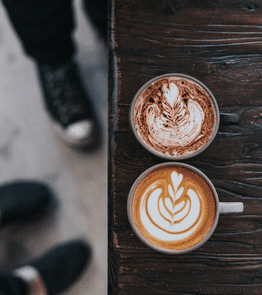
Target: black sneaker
(56, 270)
(22, 201)
(68, 106)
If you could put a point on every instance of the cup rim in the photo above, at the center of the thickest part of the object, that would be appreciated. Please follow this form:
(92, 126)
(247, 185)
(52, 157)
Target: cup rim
(151, 150)
(140, 236)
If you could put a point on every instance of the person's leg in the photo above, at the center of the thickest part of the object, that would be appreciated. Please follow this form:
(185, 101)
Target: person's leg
(44, 27)
(97, 10)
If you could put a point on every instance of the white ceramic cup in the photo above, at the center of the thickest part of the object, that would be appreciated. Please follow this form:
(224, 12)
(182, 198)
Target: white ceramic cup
(220, 118)
(221, 208)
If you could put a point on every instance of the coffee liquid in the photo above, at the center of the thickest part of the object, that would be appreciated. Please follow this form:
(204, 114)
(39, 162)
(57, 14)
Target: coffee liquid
(173, 207)
(174, 116)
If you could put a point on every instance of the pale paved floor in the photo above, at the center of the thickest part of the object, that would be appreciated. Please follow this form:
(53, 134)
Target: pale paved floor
(29, 150)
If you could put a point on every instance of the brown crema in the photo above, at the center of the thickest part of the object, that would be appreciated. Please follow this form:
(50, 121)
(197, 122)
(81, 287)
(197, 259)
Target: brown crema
(174, 116)
(173, 207)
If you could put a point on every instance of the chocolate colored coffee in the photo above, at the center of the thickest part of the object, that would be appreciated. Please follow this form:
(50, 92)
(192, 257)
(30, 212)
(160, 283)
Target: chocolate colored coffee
(174, 116)
(173, 208)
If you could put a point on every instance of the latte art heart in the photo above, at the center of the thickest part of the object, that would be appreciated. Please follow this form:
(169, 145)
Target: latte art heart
(174, 116)
(171, 216)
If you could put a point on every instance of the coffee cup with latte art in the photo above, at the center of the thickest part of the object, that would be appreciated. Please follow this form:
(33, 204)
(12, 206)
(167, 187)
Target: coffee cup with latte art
(174, 208)
(176, 117)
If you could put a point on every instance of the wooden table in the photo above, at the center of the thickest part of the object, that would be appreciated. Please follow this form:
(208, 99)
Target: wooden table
(219, 43)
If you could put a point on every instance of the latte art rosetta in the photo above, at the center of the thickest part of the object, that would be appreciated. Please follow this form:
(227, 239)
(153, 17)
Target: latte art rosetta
(172, 207)
(174, 116)
(180, 122)
(171, 211)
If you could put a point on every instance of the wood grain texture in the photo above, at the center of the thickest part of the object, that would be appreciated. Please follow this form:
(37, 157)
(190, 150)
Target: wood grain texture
(219, 43)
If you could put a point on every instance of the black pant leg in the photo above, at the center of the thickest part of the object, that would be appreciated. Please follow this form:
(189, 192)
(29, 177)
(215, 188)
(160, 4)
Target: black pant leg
(10, 285)
(44, 27)
(98, 13)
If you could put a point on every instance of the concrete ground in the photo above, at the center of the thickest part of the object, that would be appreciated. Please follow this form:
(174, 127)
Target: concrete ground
(30, 150)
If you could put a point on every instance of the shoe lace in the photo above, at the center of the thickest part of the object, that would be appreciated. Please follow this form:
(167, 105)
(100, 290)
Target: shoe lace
(65, 95)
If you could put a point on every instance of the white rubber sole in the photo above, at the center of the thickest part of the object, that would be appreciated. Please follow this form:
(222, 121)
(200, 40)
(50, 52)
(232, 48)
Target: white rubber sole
(32, 278)
(78, 135)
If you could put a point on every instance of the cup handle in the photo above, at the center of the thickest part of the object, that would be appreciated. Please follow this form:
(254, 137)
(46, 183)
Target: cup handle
(231, 207)
(228, 118)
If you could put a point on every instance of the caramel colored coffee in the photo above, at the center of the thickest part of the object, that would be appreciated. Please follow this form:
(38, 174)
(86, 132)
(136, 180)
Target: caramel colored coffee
(174, 116)
(173, 207)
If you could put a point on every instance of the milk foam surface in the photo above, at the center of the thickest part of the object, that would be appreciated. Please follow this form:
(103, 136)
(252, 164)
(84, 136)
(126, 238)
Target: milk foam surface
(173, 208)
(174, 116)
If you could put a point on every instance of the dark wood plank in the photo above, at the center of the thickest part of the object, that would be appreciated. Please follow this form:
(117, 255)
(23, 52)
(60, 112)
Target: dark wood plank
(219, 43)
